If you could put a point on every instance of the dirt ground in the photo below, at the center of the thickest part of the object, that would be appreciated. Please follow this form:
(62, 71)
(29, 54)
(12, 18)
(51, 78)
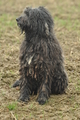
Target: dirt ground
(66, 15)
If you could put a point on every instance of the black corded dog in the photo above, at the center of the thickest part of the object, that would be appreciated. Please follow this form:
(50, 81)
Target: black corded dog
(41, 61)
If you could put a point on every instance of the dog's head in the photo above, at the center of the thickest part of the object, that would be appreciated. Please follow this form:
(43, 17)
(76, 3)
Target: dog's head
(37, 20)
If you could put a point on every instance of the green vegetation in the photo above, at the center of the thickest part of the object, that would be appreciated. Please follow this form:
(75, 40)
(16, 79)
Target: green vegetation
(12, 106)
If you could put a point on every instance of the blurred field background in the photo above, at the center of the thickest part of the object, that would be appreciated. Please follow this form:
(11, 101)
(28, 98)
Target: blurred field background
(66, 15)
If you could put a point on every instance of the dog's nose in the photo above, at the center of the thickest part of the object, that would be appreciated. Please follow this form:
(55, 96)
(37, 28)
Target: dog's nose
(17, 19)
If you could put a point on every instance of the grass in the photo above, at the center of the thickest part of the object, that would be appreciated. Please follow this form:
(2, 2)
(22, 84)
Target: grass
(12, 106)
(68, 23)
(7, 23)
(7, 20)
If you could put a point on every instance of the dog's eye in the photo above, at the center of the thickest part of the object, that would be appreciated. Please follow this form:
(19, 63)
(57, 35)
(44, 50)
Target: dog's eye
(27, 13)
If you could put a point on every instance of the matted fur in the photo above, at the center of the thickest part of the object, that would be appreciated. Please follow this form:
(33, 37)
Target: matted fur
(41, 61)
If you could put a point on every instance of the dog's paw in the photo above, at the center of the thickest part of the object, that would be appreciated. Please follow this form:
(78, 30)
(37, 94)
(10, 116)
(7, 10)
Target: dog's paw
(42, 99)
(23, 98)
(16, 83)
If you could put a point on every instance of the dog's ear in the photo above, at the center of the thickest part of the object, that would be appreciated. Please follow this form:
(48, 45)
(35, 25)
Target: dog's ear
(41, 8)
(28, 8)
(46, 29)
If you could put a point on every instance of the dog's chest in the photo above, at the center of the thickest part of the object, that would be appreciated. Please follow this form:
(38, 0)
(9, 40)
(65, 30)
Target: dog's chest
(29, 59)
(30, 70)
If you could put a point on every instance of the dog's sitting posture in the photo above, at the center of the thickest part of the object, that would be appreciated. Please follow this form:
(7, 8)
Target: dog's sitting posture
(41, 61)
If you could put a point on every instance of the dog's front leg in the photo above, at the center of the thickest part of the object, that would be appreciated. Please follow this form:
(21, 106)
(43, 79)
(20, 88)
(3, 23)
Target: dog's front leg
(24, 92)
(44, 91)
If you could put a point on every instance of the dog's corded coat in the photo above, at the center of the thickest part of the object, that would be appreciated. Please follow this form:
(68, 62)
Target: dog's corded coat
(41, 60)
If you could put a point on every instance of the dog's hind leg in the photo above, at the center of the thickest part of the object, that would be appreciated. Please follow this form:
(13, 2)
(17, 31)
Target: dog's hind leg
(16, 83)
(59, 83)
